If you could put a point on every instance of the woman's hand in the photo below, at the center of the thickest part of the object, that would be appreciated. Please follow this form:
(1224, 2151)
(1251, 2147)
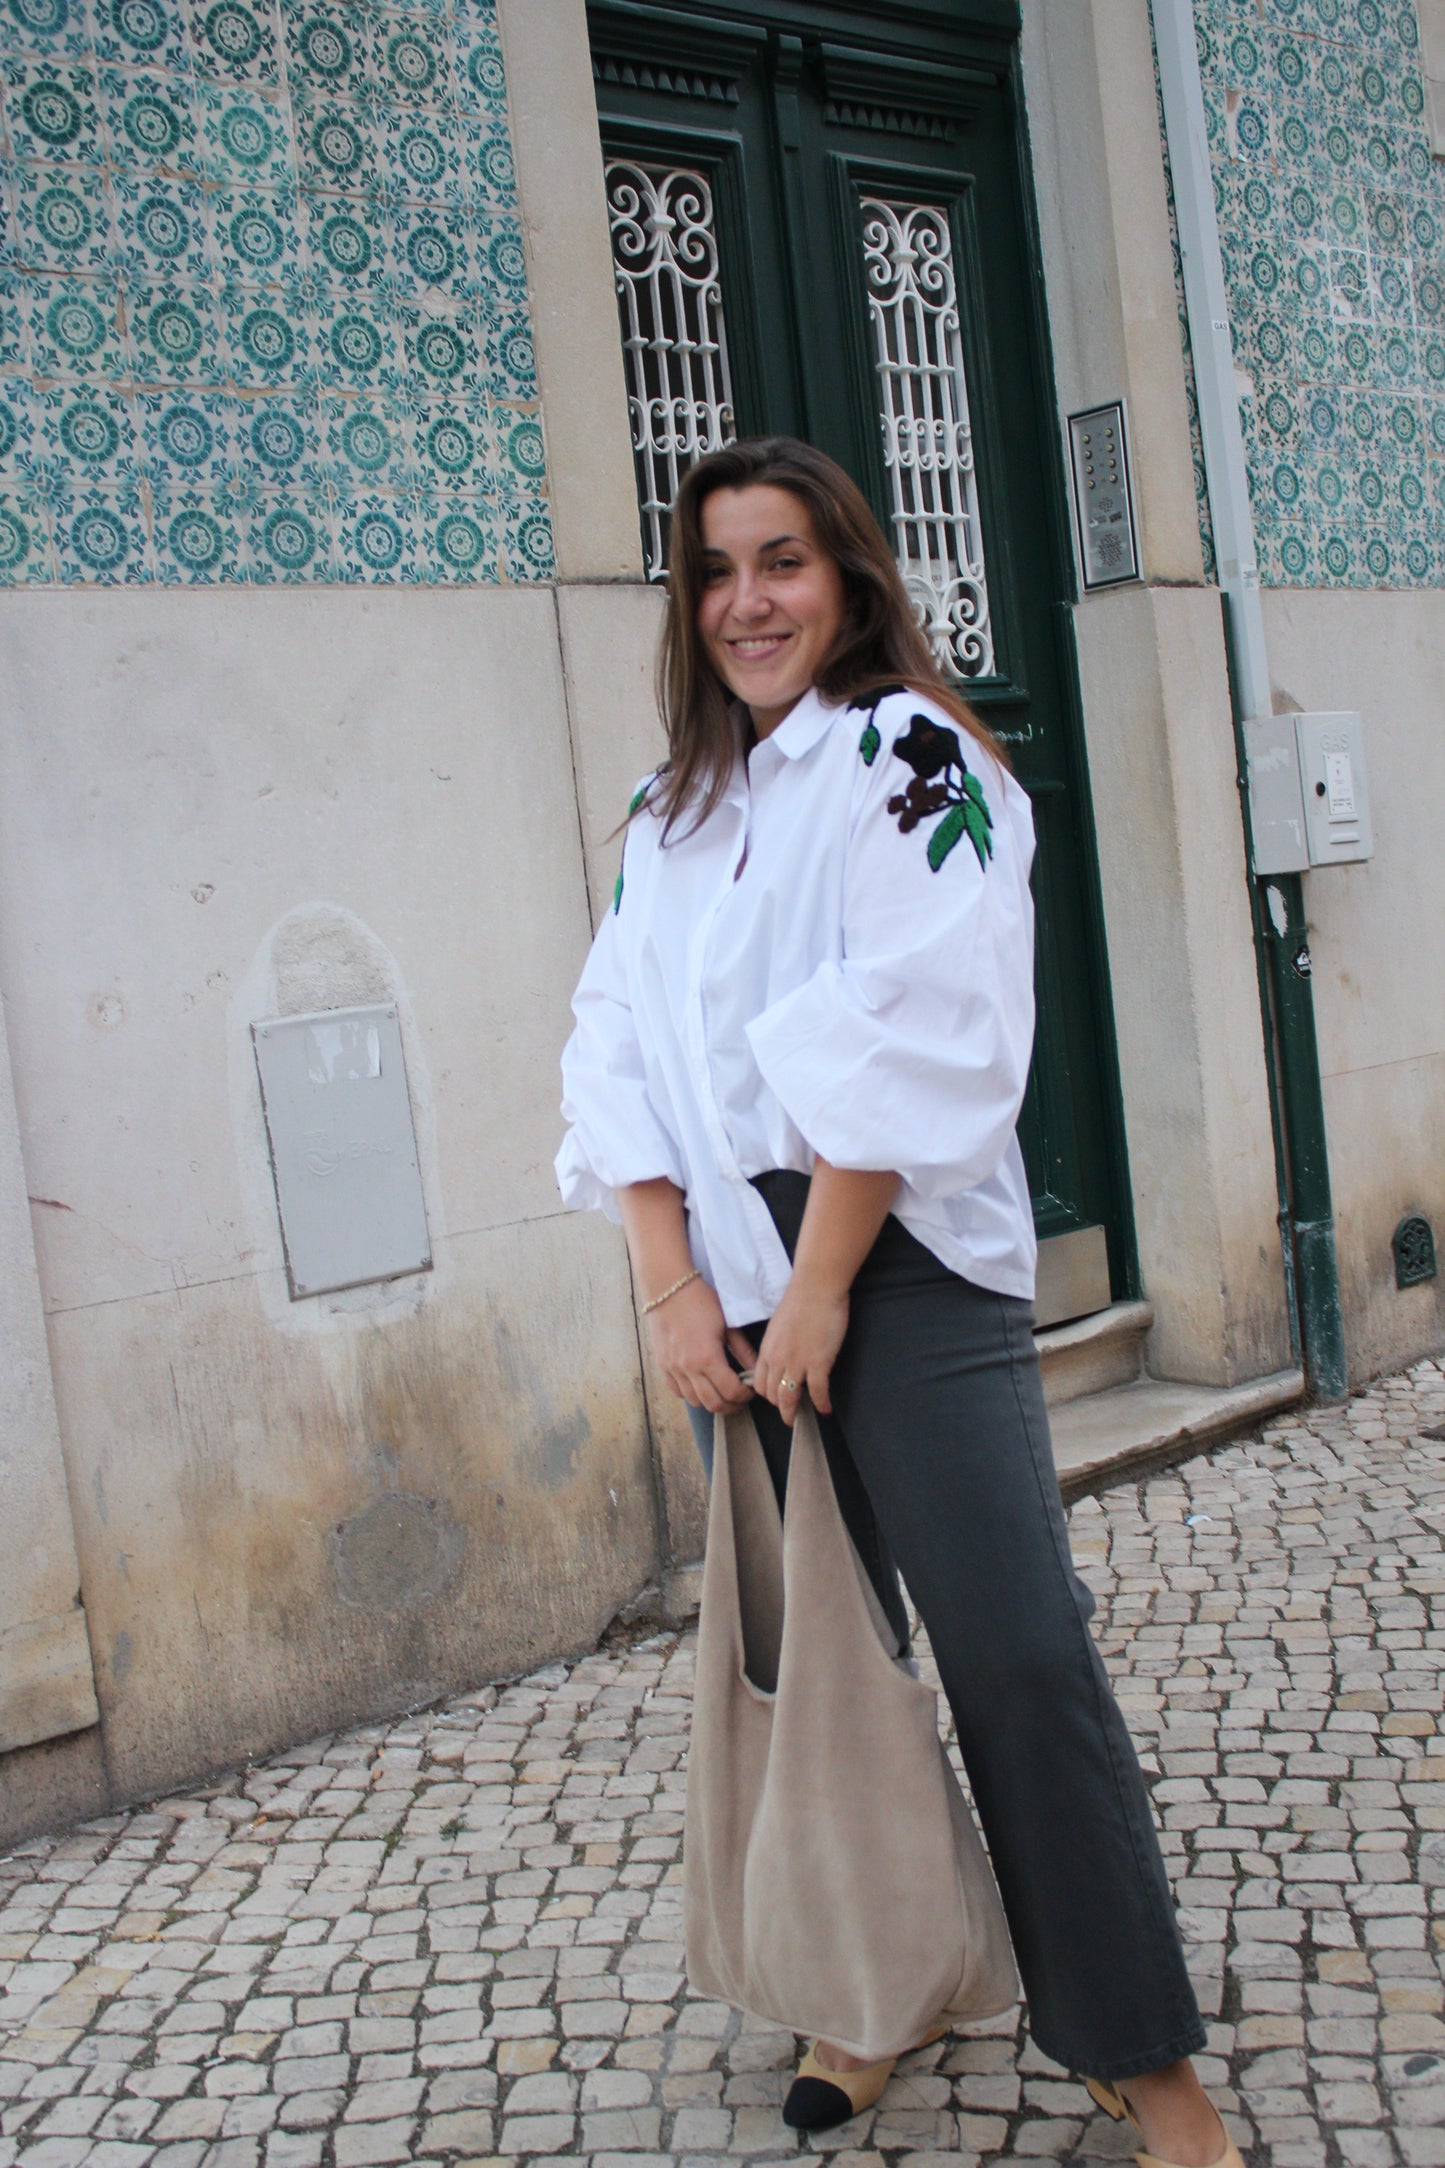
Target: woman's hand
(845, 1209)
(690, 1339)
(687, 1332)
(801, 1345)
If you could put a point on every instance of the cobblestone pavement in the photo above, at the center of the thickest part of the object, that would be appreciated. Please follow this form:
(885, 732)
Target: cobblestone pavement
(457, 1936)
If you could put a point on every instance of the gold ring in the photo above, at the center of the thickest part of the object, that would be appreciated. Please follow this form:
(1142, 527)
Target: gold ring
(789, 1385)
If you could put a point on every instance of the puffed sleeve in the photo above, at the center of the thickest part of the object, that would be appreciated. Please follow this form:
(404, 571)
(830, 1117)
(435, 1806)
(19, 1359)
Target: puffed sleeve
(912, 1051)
(614, 1134)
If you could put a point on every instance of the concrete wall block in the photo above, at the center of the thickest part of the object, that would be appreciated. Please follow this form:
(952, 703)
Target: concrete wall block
(560, 190)
(1108, 267)
(1377, 942)
(609, 646)
(46, 1687)
(609, 651)
(1182, 964)
(44, 1576)
(398, 763)
(1387, 1158)
(52, 1785)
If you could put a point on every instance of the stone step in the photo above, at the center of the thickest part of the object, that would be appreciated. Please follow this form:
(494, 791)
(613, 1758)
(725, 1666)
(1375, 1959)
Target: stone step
(1093, 1353)
(1107, 1437)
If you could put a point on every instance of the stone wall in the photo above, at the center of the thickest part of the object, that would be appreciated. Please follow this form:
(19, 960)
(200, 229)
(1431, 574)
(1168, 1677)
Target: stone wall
(373, 750)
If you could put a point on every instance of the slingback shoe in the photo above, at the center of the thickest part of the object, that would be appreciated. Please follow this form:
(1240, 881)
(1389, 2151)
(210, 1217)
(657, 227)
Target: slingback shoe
(1112, 2101)
(820, 2098)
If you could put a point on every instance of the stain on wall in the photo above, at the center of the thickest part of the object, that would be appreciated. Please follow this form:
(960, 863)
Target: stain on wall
(397, 1554)
(303, 1531)
(263, 300)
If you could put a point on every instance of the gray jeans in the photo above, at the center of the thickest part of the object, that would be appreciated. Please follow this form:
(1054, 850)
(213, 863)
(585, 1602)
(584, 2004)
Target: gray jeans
(939, 1446)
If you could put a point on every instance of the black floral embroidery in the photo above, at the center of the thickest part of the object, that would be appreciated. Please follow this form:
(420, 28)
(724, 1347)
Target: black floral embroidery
(942, 783)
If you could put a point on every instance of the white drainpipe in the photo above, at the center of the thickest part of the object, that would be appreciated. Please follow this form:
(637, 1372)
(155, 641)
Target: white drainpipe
(1215, 375)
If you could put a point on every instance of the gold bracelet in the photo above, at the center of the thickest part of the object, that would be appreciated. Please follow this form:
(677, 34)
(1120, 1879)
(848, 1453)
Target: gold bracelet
(675, 1289)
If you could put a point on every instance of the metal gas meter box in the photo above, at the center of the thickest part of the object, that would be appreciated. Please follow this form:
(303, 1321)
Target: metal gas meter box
(1309, 799)
(343, 1148)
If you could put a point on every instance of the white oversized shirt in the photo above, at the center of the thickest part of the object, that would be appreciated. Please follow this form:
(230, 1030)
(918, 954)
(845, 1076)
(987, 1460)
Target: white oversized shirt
(839, 961)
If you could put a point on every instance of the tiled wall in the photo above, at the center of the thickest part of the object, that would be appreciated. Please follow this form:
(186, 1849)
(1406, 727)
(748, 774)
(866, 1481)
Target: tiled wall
(1332, 218)
(263, 308)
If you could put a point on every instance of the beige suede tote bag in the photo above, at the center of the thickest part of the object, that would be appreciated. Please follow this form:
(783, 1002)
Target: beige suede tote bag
(833, 1880)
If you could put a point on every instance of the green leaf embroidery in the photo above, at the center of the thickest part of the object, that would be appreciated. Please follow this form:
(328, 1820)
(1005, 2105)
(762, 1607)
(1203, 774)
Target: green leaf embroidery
(639, 799)
(976, 818)
(869, 743)
(970, 819)
(945, 835)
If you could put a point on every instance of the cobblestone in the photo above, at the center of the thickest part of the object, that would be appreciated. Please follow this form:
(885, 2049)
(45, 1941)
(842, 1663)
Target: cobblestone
(458, 1938)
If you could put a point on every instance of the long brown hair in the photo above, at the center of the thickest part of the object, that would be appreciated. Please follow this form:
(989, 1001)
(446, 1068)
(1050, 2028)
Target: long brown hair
(881, 642)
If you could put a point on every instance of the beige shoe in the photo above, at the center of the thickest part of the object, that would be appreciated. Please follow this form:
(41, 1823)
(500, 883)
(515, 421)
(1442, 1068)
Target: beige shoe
(820, 2098)
(1112, 2101)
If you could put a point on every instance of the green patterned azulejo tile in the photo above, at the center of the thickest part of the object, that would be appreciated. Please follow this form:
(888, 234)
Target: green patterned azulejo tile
(52, 111)
(527, 538)
(102, 538)
(27, 556)
(288, 538)
(464, 541)
(263, 296)
(368, 442)
(185, 437)
(55, 28)
(235, 41)
(92, 430)
(347, 240)
(197, 538)
(18, 427)
(162, 226)
(278, 441)
(63, 219)
(247, 136)
(139, 32)
(74, 328)
(375, 535)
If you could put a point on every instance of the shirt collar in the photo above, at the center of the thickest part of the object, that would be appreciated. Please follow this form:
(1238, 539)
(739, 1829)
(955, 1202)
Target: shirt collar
(804, 725)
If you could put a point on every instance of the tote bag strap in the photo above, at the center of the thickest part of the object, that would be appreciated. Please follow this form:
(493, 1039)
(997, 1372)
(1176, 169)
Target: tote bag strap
(821, 1566)
(745, 1529)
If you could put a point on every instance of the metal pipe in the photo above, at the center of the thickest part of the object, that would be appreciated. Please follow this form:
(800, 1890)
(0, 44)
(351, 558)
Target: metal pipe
(1284, 1215)
(1277, 903)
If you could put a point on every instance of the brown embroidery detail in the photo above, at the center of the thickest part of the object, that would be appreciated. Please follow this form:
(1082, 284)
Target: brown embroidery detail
(942, 783)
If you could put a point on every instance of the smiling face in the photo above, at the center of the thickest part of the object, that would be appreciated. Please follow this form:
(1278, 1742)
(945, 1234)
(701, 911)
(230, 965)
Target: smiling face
(773, 601)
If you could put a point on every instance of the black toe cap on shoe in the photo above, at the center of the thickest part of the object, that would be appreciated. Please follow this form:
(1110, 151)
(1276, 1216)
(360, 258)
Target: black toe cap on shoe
(813, 2104)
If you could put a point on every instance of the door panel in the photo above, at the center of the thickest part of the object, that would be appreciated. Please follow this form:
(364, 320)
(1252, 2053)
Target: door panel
(864, 166)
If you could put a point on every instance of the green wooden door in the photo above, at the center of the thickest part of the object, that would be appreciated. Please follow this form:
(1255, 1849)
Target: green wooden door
(822, 225)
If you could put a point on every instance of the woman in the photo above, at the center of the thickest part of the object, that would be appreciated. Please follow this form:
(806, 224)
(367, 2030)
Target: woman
(802, 1039)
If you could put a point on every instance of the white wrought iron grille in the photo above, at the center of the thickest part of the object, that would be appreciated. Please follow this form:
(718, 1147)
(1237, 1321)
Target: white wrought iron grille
(927, 437)
(664, 251)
